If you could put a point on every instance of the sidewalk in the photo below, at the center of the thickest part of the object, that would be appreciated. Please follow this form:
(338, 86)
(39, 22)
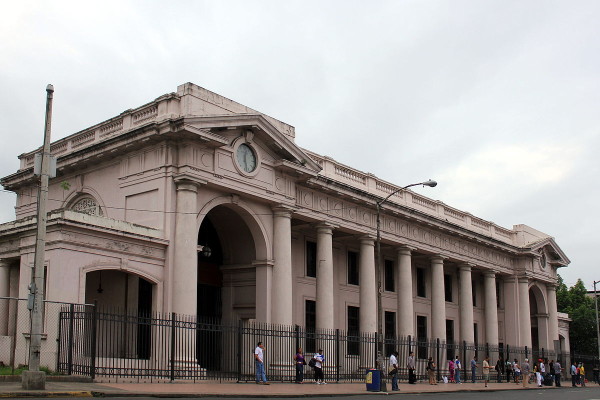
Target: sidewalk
(216, 389)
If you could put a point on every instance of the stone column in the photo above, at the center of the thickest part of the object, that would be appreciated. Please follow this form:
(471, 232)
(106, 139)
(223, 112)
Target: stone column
(552, 315)
(438, 301)
(524, 313)
(264, 285)
(185, 269)
(466, 304)
(282, 310)
(325, 289)
(491, 308)
(405, 293)
(4, 292)
(368, 286)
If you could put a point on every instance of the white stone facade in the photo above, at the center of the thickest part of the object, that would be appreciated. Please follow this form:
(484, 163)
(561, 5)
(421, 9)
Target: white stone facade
(147, 191)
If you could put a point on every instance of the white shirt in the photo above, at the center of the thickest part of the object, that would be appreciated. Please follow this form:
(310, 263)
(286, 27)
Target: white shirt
(259, 353)
(393, 360)
(318, 360)
(542, 367)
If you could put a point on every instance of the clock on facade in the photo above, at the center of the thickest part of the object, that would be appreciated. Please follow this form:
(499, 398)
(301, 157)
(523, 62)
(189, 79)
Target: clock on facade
(246, 158)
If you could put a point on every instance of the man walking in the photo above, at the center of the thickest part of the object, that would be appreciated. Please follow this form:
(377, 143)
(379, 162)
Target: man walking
(557, 373)
(486, 370)
(573, 374)
(261, 377)
(457, 370)
(525, 370)
(473, 369)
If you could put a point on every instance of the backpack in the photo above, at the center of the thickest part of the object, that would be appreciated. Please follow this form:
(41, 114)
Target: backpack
(312, 363)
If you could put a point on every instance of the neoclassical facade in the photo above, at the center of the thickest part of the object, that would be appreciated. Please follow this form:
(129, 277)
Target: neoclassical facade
(199, 205)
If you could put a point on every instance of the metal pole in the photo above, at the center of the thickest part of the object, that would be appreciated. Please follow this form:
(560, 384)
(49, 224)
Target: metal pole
(37, 280)
(597, 325)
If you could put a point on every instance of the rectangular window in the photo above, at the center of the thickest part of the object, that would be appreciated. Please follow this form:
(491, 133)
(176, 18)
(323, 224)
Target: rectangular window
(450, 339)
(476, 339)
(421, 337)
(498, 292)
(474, 292)
(353, 331)
(310, 320)
(311, 259)
(448, 287)
(421, 292)
(390, 332)
(353, 268)
(389, 276)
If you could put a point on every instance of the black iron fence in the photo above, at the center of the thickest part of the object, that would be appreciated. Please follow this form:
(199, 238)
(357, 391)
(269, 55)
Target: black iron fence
(109, 343)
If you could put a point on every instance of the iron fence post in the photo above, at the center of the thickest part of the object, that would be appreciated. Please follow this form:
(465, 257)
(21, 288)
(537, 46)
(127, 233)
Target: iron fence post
(437, 358)
(173, 332)
(70, 351)
(94, 337)
(337, 355)
(59, 339)
(239, 353)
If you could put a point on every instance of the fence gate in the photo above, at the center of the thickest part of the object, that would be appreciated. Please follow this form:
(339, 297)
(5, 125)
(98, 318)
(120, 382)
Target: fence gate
(76, 338)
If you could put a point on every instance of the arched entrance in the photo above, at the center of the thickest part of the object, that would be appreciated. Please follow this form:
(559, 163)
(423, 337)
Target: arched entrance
(539, 319)
(116, 291)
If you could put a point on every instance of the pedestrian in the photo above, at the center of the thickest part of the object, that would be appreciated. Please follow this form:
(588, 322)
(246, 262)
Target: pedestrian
(457, 368)
(551, 372)
(300, 362)
(499, 366)
(509, 370)
(410, 365)
(431, 371)
(394, 370)
(581, 375)
(596, 374)
(516, 371)
(319, 361)
(451, 367)
(573, 371)
(538, 374)
(261, 376)
(473, 369)
(486, 370)
(525, 371)
(557, 373)
(578, 374)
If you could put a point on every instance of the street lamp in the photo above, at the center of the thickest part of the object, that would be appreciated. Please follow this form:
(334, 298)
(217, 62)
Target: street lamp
(429, 183)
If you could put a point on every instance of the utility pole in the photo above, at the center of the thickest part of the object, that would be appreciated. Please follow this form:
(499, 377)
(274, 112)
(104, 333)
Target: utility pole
(597, 325)
(34, 378)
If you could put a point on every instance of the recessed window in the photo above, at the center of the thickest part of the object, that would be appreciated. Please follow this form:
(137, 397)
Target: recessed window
(390, 332)
(421, 292)
(353, 331)
(474, 292)
(450, 352)
(448, 287)
(353, 268)
(421, 336)
(389, 276)
(311, 259)
(310, 320)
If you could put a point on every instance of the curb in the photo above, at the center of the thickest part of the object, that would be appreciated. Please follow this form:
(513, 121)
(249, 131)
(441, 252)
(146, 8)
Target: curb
(45, 394)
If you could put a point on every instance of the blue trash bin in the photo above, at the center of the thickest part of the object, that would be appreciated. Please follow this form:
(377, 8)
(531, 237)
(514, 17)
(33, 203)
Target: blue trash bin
(373, 380)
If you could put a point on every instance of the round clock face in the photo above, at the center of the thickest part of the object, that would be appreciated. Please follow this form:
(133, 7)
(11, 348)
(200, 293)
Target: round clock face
(246, 158)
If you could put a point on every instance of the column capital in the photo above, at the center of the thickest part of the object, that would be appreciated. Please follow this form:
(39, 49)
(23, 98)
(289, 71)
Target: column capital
(523, 279)
(188, 183)
(489, 273)
(282, 210)
(263, 263)
(325, 227)
(465, 266)
(551, 286)
(438, 258)
(368, 240)
(405, 250)
(4, 263)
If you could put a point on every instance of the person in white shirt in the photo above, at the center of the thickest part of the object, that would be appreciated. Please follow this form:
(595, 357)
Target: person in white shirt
(319, 361)
(394, 369)
(261, 377)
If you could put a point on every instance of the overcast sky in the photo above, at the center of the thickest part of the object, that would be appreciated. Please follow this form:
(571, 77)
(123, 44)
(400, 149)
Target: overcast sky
(499, 101)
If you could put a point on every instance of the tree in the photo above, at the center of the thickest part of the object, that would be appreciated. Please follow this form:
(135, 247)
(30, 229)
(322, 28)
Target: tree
(580, 307)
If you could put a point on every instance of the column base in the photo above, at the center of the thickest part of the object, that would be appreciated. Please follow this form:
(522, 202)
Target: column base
(33, 380)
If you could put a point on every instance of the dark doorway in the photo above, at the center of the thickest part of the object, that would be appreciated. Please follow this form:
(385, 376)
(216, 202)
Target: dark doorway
(209, 303)
(144, 338)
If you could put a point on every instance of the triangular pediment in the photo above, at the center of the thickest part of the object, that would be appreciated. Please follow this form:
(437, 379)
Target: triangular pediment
(284, 153)
(548, 249)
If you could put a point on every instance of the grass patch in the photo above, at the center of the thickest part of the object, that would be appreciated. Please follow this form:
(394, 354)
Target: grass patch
(6, 370)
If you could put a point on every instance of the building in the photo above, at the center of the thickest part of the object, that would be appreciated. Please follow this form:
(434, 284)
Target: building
(198, 205)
